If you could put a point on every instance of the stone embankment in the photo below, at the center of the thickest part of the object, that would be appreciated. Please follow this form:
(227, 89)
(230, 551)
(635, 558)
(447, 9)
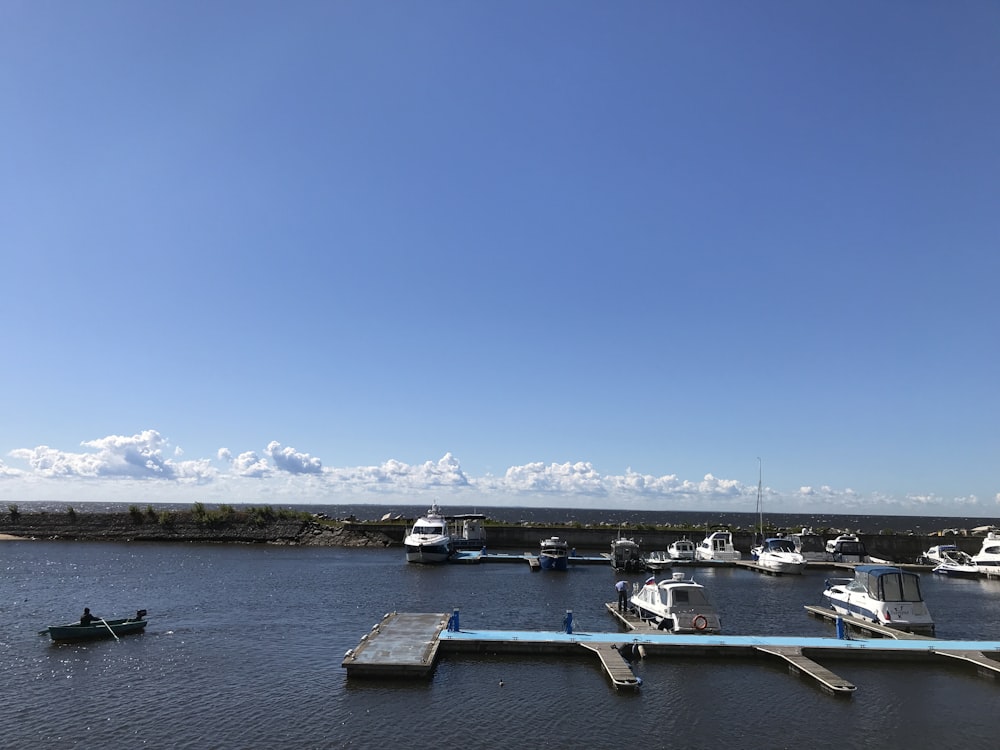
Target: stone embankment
(264, 526)
(187, 527)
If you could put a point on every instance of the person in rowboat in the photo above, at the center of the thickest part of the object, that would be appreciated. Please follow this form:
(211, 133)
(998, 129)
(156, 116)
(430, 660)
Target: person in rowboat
(86, 618)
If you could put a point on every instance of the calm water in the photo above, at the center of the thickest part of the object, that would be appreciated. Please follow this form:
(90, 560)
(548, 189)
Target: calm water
(244, 646)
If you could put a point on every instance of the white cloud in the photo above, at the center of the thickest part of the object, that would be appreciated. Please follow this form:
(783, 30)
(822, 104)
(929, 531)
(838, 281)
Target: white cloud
(137, 456)
(119, 466)
(290, 460)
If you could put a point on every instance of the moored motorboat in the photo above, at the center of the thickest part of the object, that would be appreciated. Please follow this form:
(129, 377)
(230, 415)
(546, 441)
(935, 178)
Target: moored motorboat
(675, 604)
(626, 555)
(811, 546)
(954, 562)
(849, 551)
(718, 547)
(831, 544)
(681, 549)
(553, 554)
(988, 558)
(98, 629)
(429, 540)
(884, 595)
(778, 554)
(658, 560)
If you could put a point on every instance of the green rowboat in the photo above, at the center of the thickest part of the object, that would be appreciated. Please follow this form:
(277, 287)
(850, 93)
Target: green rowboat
(97, 629)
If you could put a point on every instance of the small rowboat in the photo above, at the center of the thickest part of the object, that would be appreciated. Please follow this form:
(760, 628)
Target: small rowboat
(97, 629)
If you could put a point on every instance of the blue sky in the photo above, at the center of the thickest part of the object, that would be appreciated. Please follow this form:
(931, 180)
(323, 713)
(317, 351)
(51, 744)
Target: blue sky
(580, 254)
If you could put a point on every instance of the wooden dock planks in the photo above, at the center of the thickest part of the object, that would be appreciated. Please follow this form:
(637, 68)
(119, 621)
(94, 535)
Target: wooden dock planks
(986, 666)
(617, 667)
(803, 664)
(403, 645)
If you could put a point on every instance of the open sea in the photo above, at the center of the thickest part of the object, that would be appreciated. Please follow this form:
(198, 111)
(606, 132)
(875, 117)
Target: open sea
(244, 646)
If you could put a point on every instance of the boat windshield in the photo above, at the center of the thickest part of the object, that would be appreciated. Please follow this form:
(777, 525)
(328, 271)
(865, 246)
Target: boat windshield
(780, 545)
(693, 596)
(895, 587)
(428, 529)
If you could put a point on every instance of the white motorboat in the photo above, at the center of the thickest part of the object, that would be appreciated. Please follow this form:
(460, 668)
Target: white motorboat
(811, 546)
(988, 558)
(774, 553)
(882, 594)
(554, 554)
(429, 540)
(676, 604)
(681, 549)
(718, 547)
(625, 555)
(778, 554)
(658, 560)
(831, 544)
(949, 560)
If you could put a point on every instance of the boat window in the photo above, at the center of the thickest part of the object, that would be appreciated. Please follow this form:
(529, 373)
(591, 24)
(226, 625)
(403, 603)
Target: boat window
(690, 596)
(911, 588)
(427, 529)
(782, 545)
(991, 551)
(898, 587)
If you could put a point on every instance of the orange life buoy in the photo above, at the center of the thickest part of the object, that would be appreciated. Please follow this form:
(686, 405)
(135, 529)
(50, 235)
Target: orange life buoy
(700, 622)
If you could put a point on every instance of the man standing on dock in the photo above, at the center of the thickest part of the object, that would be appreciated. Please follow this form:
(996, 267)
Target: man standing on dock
(622, 588)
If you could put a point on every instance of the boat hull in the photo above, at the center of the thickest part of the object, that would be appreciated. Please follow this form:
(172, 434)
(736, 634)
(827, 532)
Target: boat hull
(901, 616)
(788, 567)
(428, 554)
(96, 631)
(553, 562)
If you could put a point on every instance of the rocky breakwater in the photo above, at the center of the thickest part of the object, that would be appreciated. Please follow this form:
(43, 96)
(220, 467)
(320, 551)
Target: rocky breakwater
(244, 526)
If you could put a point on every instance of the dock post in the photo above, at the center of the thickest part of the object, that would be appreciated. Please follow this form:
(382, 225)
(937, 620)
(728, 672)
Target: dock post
(841, 629)
(453, 621)
(568, 622)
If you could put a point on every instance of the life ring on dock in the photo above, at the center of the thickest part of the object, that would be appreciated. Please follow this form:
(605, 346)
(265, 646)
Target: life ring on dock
(700, 622)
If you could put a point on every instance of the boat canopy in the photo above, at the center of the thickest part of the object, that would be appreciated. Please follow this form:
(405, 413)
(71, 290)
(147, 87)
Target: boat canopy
(888, 584)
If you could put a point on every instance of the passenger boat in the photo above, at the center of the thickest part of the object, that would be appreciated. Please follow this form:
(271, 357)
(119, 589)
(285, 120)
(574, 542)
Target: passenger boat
(625, 555)
(831, 544)
(429, 541)
(951, 561)
(988, 558)
(882, 594)
(554, 554)
(718, 547)
(681, 549)
(97, 629)
(676, 604)
(811, 546)
(778, 554)
(658, 560)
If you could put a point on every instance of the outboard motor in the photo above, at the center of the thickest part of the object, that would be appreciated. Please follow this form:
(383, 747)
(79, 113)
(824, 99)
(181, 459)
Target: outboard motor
(139, 614)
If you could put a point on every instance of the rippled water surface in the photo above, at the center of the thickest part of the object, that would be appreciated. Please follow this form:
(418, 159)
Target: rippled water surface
(244, 647)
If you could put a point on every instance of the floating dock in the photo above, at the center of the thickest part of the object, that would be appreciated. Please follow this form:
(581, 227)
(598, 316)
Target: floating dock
(403, 645)
(482, 556)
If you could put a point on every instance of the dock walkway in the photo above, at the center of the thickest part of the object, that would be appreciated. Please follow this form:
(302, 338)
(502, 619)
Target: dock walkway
(408, 645)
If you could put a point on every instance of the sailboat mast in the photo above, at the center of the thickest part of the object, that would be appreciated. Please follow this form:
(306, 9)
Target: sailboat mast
(760, 502)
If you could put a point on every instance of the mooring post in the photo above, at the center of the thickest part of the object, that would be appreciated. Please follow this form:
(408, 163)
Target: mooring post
(841, 629)
(569, 621)
(453, 621)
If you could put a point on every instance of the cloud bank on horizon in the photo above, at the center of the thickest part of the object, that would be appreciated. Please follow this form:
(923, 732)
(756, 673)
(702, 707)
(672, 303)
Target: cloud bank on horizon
(145, 467)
